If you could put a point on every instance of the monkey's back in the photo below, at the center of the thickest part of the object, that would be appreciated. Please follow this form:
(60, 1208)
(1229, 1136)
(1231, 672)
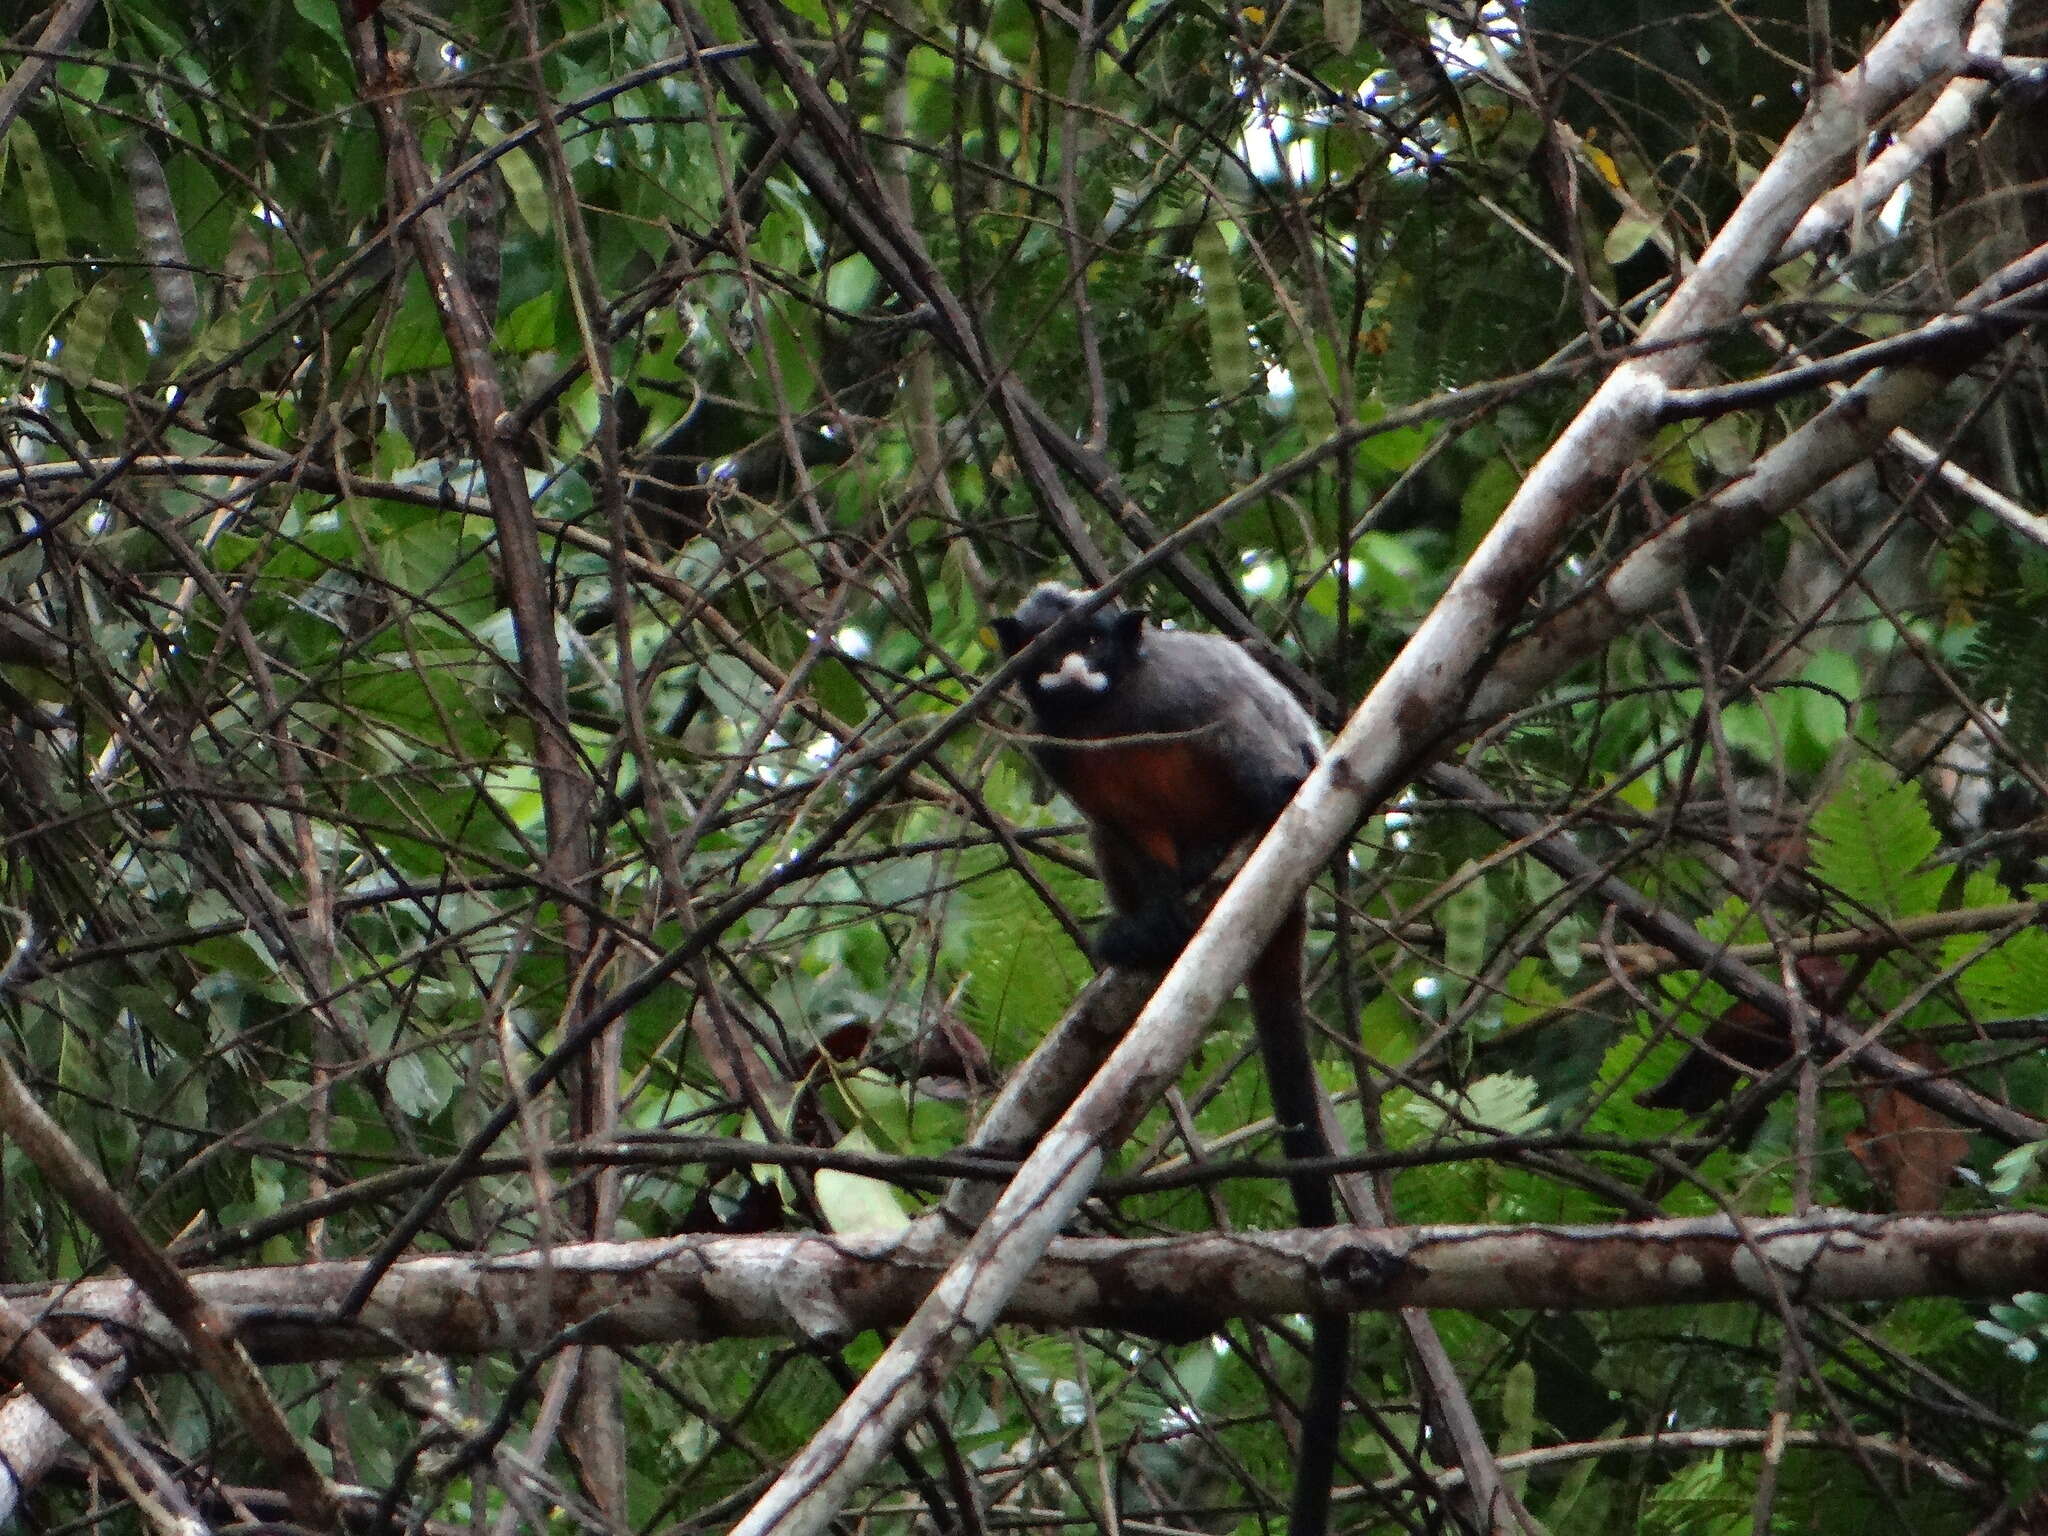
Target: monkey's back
(1196, 747)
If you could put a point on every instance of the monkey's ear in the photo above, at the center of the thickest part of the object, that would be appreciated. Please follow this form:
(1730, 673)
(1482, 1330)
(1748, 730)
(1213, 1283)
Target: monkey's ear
(1129, 629)
(1010, 634)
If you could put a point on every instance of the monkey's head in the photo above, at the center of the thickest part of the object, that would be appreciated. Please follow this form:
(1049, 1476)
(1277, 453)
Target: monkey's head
(1086, 657)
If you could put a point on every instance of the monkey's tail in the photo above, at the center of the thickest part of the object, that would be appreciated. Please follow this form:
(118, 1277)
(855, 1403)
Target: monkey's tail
(1274, 987)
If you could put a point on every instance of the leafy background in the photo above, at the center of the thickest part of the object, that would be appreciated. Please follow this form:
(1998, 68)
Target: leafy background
(275, 834)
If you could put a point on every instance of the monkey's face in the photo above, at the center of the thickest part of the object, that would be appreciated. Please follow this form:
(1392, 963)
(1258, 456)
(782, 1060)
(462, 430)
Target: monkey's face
(1084, 664)
(1075, 676)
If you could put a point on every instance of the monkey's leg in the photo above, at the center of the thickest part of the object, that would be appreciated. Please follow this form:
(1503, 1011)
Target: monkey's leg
(1147, 938)
(1202, 860)
(1148, 922)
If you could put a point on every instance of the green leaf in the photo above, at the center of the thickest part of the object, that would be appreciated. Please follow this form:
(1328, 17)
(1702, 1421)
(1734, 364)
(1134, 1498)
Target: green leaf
(416, 343)
(1499, 1104)
(851, 283)
(2017, 1170)
(1466, 917)
(1393, 569)
(420, 1084)
(86, 335)
(46, 214)
(529, 191)
(1019, 966)
(1167, 435)
(1486, 497)
(2008, 978)
(1230, 343)
(1518, 1417)
(1628, 236)
(1311, 363)
(853, 1202)
(532, 327)
(1396, 450)
(1827, 708)
(1871, 840)
(1564, 930)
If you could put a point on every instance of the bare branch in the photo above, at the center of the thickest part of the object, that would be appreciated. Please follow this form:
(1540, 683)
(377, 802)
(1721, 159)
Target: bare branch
(828, 1288)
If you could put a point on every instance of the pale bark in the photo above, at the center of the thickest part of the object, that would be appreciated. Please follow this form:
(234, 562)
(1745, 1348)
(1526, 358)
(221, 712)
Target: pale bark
(828, 1288)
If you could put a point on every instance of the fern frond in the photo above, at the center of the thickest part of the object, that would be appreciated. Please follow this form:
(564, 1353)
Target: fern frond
(1871, 840)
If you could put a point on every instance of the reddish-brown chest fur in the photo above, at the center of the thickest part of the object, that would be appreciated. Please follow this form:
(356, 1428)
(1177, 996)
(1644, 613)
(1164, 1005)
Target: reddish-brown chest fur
(1163, 798)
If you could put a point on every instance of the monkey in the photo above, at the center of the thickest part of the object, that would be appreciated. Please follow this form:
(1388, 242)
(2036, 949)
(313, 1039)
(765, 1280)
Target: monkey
(1181, 747)
(1221, 747)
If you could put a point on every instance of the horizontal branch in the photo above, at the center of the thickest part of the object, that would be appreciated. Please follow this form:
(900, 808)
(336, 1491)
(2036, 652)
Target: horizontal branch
(1900, 934)
(828, 1288)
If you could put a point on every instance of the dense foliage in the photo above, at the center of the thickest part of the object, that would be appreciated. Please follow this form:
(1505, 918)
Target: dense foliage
(383, 698)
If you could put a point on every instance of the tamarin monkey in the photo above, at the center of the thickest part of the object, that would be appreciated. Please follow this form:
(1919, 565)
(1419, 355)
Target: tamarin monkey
(1176, 747)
